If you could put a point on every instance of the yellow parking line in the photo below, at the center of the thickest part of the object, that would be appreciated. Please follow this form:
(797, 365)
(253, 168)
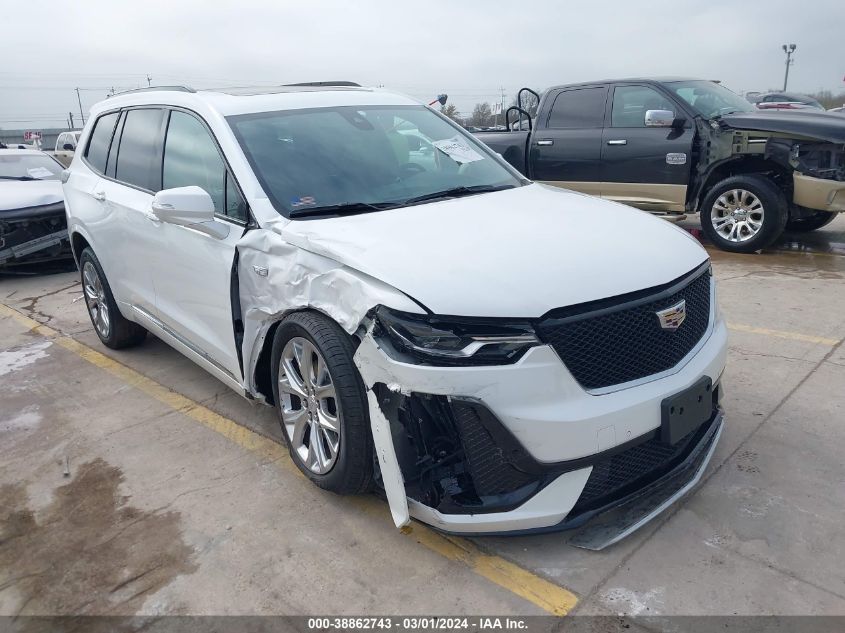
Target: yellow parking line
(793, 336)
(546, 595)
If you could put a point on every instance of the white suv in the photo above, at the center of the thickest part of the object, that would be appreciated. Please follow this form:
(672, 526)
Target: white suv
(493, 355)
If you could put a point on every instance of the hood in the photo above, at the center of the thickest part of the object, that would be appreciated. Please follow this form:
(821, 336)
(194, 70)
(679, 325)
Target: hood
(807, 123)
(514, 253)
(21, 194)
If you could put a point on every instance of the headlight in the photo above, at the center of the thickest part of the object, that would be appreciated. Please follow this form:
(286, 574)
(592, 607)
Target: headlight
(436, 340)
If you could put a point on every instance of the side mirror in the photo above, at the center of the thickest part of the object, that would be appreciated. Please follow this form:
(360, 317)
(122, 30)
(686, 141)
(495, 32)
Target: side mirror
(68, 147)
(659, 118)
(191, 207)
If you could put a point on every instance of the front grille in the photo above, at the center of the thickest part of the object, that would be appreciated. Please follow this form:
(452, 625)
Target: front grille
(491, 473)
(618, 474)
(617, 344)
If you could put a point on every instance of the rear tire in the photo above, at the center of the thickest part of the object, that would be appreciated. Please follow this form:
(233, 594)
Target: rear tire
(810, 222)
(322, 404)
(743, 214)
(113, 329)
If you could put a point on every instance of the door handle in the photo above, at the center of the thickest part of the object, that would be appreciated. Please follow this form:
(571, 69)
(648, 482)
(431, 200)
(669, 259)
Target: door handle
(618, 141)
(545, 141)
(100, 195)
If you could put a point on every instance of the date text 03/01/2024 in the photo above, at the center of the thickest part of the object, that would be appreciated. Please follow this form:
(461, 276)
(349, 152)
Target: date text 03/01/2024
(415, 623)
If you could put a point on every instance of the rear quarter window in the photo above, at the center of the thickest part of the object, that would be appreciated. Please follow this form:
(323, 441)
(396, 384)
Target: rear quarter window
(97, 151)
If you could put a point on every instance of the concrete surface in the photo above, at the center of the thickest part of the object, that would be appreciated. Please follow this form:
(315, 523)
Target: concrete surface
(168, 508)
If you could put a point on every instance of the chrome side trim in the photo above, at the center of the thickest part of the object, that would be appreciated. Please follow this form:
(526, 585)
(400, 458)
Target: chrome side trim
(183, 341)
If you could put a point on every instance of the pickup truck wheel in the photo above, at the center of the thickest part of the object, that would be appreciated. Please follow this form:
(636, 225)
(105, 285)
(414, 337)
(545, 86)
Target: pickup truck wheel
(743, 214)
(321, 403)
(811, 222)
(113, 329)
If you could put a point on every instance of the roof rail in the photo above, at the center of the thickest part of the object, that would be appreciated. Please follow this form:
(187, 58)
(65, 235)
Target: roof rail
(154, 88)
(326, 83)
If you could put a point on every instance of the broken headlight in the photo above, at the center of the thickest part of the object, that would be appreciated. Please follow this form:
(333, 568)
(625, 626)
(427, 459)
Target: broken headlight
(436, 340)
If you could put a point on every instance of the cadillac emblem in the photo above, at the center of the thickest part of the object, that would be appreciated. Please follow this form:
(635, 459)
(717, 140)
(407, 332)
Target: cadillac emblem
(672, 317)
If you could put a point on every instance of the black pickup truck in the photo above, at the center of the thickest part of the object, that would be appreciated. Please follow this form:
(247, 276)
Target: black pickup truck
(684, 145)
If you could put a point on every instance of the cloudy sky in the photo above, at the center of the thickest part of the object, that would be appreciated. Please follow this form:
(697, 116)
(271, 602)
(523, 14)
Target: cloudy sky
(469, 49)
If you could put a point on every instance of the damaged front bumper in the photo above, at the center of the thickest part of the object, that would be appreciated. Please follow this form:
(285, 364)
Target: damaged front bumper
(33, 234)
(818, 176)
(522, 447)
(818, 193)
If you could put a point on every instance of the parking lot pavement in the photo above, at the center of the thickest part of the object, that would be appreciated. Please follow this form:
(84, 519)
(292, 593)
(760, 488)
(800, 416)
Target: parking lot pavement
(179, 498)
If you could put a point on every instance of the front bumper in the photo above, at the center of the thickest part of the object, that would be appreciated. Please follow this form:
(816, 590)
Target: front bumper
(560, 428)
(33, 234)
(818, 193)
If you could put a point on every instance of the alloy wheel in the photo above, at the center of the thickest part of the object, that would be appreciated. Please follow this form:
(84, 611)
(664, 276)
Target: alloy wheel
(95, 299)
(310, 409)
(737, 215)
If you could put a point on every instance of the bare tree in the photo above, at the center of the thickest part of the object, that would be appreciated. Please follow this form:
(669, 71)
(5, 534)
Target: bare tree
(828, 99)
(530, 103)
(482, 115)
(451, 111)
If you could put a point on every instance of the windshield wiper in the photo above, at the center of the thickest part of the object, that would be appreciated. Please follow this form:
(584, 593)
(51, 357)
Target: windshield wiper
(455, 192)
(365, 207)
(18, 178)
(340, 209)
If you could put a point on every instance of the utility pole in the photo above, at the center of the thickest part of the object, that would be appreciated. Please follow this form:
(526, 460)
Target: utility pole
(70, 119)
(500, 108)
(81, 114)
(789, 61)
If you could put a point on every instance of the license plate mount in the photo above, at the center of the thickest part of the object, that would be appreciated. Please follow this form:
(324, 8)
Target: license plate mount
(686, 411)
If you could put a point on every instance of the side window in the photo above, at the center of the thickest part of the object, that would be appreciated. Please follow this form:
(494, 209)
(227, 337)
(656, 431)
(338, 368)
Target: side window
(630, 103)
(191, 158)
(138, 156)
(113, 154)
(578, 109)
(98, 145)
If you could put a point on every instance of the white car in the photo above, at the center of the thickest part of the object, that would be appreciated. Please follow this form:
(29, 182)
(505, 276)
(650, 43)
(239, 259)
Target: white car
(494, 355)
(33, 226)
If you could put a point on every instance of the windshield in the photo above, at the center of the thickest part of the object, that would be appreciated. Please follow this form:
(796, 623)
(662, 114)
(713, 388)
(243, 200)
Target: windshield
(363, 158)
(710, 99)
(28, 167)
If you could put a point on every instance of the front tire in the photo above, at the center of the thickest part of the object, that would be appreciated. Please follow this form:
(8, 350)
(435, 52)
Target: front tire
(113, 329)
(321, 403)
(744, 214)
(810, 222)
